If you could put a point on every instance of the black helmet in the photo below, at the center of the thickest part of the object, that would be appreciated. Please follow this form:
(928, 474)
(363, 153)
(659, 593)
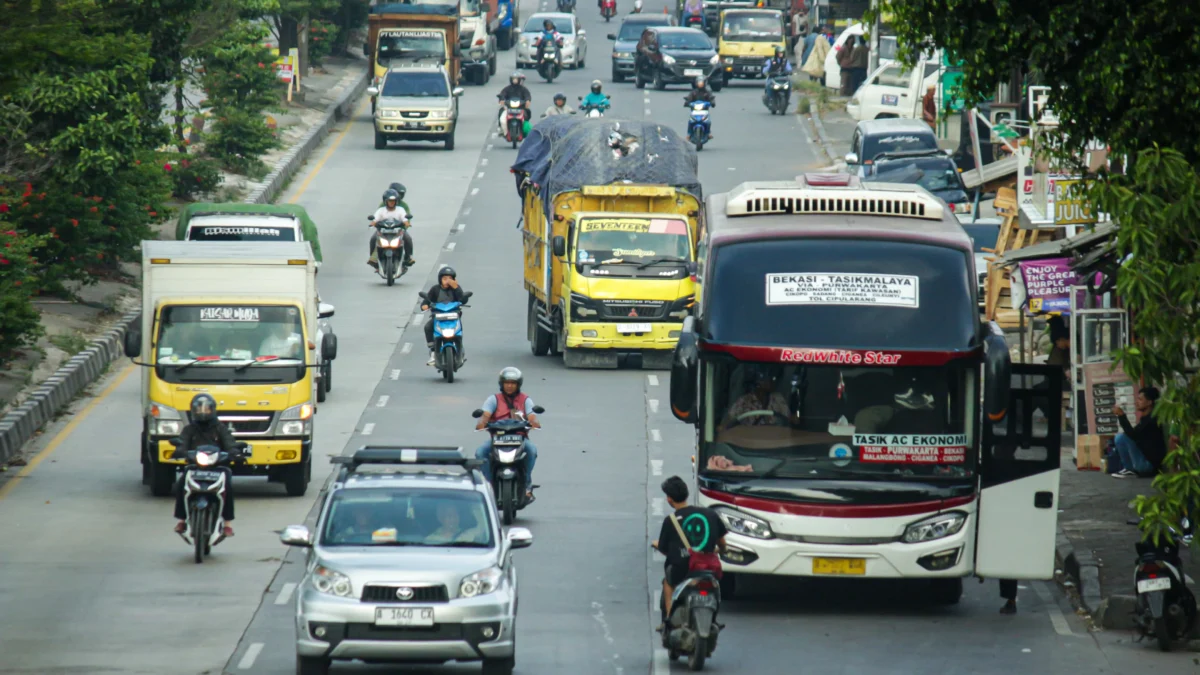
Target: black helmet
(548, 24)
(596, 86)
(446, 271)
(390, 195)
(204, 409)
(516, 78)
(560, 97)
(399, 189)
(511, 374)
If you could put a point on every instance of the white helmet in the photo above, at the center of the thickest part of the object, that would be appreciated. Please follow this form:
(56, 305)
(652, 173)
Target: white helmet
(637, 5)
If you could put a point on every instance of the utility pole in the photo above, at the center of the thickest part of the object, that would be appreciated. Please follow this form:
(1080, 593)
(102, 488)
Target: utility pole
(873, 60)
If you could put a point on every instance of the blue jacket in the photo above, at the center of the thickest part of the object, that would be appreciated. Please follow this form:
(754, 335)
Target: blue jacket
(597, 100)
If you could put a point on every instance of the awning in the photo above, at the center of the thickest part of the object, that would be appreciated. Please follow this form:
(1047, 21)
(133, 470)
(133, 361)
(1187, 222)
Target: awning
(1100, 236)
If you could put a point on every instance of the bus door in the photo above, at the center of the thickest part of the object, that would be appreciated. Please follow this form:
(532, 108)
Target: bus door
(1019, 472)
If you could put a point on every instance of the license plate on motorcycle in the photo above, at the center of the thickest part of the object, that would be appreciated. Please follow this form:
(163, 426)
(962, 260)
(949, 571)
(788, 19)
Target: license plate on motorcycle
(1148, 585)
(513, 438)
(839, 566)
(404, 616)
(633, 328)
(205, 475)
(692, 72)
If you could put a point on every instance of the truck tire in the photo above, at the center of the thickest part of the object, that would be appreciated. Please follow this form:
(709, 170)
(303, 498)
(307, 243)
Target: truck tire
(539, 339)
(492, 65)
(946, 591)
(162, 479)
(321, 390)
(296, 477)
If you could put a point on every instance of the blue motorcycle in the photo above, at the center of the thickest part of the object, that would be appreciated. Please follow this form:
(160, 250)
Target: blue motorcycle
(447, 335)
(699, 125)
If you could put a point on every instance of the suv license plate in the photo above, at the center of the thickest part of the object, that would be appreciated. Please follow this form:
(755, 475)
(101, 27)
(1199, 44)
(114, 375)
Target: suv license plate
(633, 328)
(414, 125)
(693, 72)
(1148, 585)
(404, 616)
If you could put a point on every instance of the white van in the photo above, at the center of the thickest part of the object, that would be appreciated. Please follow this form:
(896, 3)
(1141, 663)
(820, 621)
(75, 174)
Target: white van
(833, 72)
(894, 90)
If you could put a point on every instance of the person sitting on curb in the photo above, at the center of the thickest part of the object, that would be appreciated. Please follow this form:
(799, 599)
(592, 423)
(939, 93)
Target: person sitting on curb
(1141, 449)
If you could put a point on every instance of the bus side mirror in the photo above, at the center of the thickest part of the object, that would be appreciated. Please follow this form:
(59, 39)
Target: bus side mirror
(997, 374)
(560, 246)
(684, 366)
(133, 342)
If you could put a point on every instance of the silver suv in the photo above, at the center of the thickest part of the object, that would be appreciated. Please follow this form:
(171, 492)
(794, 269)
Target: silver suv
(408, 563)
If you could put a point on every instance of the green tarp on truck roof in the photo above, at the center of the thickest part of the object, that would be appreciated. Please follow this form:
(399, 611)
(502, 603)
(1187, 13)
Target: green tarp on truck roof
(307, 227)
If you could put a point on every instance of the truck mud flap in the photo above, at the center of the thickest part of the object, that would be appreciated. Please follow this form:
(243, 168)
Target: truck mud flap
(656, 360)
(588, 358)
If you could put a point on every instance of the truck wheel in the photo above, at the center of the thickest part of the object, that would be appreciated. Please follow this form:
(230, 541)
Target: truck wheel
(321, 390)
(539, 340)
(380, 141)
(718, 82)
(328, 376)
(492, 65)
(295, 478)
(162, 479)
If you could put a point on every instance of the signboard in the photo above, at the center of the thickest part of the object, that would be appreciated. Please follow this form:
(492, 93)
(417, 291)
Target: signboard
(1070, 203)
(912, 448)
(951, 84)
(832, 288)
(1106, 385)
(1047, 284)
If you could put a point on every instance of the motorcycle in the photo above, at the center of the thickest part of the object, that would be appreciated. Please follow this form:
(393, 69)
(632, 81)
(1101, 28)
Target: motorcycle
(608, 9)
(1166, 608)
(514, 121)
(389, 249)
(699, 125)
(593, 110)
(694, 21)
(549, 65)
(447, 335)
(508, 451)
(777, 94)
(566, 6)
(692, 627)
(204, 488)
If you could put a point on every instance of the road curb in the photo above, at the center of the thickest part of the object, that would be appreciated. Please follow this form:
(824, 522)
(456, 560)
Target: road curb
(1084, 571)
(290, 163)
(822, 136)
(53, 395)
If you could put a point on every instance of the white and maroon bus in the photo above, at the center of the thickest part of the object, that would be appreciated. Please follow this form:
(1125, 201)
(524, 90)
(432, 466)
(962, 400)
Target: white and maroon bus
(854, 417)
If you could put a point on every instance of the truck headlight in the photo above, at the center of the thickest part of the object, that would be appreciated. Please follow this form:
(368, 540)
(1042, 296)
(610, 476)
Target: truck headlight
(681, 308)
(480, 583)
(583, 307)
(167, 421)
(727, 59)
(332, 582)
(745, 524)
(296, 420)
(935, 527)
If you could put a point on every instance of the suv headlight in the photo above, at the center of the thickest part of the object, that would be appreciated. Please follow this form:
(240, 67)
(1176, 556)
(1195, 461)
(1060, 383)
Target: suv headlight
(332, 582)
(167, 421)
(296, 420)
(668, 59)
(935, 527)
(715, 59)
(389, 113)
(480, 583)
(583, 307)
(439, 114)
(745, 524)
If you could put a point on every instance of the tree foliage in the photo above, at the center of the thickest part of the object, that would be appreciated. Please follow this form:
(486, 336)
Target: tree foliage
(240, 82)
(1123, 73)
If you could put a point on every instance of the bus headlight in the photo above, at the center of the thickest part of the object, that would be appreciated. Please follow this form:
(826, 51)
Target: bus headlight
(745, 524)
(935, 527)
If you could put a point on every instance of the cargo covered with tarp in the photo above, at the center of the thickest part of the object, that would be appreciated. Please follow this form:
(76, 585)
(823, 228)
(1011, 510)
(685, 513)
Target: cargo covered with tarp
(308, 229)
(533, 157)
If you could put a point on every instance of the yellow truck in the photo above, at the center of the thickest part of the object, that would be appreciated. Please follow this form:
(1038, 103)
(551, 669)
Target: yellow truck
(237, 320)
(746, 38)
(401, 33)
(611, 215)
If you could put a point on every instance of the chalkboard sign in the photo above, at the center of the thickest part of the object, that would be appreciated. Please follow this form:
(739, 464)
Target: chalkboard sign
(1106, 385)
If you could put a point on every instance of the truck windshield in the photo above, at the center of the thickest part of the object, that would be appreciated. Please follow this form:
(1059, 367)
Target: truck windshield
(632, 241)
(856, 423)
(751, 28)
(470, 7)
(223, 343)
(240, 233)
(411, 45)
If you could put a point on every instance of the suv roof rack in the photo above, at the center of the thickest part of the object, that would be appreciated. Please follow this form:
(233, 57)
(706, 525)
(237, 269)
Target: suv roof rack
(431, 455)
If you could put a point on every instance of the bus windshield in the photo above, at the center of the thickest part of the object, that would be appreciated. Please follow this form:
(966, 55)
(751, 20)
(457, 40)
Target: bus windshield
(838, 422)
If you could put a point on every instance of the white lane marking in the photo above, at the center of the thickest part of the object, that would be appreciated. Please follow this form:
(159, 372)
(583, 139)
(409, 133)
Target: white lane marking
(653, 405)
(656, 436)
(483, 162)
(252, 653)
(467, 211)
(495, 134)
(450, 246)
(1027, 650)
(733, 168)
(406, 349)
(462, 226)
(656, 508)
(647, 111)
(490, 146)
(285, 593)
(656, 467)
(1056, 616)
(599, 617)
(382, 401)
(662, 664)
(653, 380)
(418, 317)
(479, 175)
(395, 374)
(368, 429)
(474, 191)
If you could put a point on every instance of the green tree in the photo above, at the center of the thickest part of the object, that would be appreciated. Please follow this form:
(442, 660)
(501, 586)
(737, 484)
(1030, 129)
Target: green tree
(240, 83)
(1123, 73)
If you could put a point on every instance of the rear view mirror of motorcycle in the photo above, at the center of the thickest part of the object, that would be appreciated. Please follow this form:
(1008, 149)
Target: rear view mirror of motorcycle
(371, 218)
(175, 442)
(477, 414)
(467, 296)
(422, 295)
(538, 410)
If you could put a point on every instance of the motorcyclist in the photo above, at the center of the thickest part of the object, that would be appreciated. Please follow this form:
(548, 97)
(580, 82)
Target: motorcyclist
(637, 7)
(205, 429)
(548, 33)
(705, 533)
(595, 99)
(560, 107)
(391, 210)
(515, 89)
(700, 92)
(776, 65)
(445, 290)
(694, 8)
(400, 192)
(509, 403)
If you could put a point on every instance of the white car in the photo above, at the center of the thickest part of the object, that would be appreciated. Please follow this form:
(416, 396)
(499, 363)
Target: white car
(833, 72)
(574, 49)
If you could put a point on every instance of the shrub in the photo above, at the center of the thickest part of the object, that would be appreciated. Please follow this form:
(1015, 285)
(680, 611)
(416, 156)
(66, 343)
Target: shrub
(20, 322)
(240, 84)
(322, 36)
(193, 176)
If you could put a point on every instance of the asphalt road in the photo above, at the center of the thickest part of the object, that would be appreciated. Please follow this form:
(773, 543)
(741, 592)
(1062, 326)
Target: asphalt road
(94, 581)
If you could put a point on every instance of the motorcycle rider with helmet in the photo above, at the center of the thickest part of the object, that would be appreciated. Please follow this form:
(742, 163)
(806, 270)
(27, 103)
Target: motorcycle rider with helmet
(560, 107)
(445, 290)
(637, 7)
(515, 89)
(595, 99)
(205, 429)
(509, 403)
(776, 65)
(392, 210)
(700, 92)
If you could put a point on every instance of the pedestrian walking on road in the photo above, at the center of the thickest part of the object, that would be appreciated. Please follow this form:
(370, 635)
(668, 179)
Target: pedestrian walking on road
(860, 58)
(844, 55)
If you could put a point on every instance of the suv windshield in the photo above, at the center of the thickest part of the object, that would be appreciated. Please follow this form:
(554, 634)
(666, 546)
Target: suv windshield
(240, 233)
(632, 241)
(751, 28)
(407, 517)
(936, 174)
(417, 84)
(632, 30)
(411, 45)
(561, 24)
(684, 40)
(806, 421)
(876, 144)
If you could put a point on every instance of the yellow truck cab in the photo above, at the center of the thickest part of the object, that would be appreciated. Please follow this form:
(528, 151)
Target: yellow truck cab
(401, 33)
(237, 321)
(610, 239)
(747, 38)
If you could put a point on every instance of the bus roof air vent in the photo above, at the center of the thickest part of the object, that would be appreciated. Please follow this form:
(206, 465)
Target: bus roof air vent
(833, 194)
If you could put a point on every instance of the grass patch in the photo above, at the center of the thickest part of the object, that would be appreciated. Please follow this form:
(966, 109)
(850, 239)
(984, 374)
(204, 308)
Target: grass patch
(71, 343)
(816, 93)
(803, 105)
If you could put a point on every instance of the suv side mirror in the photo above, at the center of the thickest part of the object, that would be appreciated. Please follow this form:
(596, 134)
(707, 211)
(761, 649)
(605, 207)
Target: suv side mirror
(519, 537)
(560, 246)
(372, 91)
(457, 91)
(851, 158)
(133, 342)
(297, 535)
(324, 310)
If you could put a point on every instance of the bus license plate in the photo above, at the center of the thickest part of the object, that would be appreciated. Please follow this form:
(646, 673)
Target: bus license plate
(633, 328)
(839, 566)
(1148, 585)
(404, 616)
(693, 72)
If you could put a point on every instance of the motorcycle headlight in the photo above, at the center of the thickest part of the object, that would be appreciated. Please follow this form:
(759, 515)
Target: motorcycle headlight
(935, 527)
(668, 59)
(206, 458)
(389, 113)
(480, 583)
(167, 421)
(332, 582)
(394, 242)
(447, 332)
(745, 524)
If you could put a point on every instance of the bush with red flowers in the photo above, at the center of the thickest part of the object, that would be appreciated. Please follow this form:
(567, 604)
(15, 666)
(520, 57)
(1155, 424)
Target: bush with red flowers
(193, 176)
(322, 35)
(21, 325)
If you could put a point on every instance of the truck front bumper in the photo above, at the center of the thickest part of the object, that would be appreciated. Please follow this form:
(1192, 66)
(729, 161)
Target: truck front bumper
(598, 335)
(265, 453)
